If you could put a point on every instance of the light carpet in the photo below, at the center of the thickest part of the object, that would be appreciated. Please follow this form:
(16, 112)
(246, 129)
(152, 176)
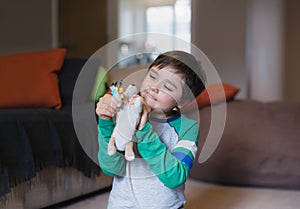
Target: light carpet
(211, 196)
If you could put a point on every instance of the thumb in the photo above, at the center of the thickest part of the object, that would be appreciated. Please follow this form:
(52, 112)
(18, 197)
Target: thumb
(144, 115)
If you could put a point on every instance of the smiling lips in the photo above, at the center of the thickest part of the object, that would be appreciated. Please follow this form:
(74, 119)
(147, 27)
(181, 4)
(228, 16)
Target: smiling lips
(150, 96)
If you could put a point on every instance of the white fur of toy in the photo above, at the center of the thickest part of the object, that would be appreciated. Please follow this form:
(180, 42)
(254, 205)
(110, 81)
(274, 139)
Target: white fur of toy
(126, 121)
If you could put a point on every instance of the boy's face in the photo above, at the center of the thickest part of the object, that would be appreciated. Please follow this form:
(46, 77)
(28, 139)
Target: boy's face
(162, 88)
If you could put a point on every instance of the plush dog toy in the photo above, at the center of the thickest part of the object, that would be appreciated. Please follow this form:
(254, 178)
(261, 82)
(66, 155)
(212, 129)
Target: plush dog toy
(126, 121)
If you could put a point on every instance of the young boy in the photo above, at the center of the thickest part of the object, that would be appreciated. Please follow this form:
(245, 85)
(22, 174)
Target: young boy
(166, 140)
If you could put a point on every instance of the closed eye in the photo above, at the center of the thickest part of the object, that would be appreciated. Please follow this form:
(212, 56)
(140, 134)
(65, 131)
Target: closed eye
(168, 88)
(152, 76)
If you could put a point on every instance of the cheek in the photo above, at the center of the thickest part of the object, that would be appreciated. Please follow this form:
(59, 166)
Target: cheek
(171, 97)
(167, 101)
(144, 84)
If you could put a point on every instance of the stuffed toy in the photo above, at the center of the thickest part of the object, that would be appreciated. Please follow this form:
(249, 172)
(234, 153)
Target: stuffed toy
(126, 121)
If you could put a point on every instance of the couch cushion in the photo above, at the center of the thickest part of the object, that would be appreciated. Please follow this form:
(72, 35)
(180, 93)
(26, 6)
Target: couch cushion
(68, 76)
(259, 147)
(30, 79)
(213, 94)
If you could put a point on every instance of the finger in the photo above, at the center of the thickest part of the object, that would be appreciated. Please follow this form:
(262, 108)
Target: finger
(133, 98)
(112, 99)
(109, 101)
(146, 106)
(106, 109)
(144, 116)
(143, 120)
(104, 114)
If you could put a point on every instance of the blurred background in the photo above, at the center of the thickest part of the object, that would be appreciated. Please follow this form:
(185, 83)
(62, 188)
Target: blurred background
(253, 44)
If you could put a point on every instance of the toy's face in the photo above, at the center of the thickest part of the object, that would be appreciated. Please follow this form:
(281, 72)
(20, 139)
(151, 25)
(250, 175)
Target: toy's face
(162, 89)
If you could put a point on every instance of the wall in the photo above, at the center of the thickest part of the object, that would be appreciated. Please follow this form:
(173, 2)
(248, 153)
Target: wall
(266, 49)
(219, 30)
(82, 26)
(253, 44)
(78, 25)
(25, 25)
(292, 51)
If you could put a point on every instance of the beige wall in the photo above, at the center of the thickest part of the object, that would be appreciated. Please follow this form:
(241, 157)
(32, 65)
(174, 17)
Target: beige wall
(266, 49)
(219, 30)
(253, 44)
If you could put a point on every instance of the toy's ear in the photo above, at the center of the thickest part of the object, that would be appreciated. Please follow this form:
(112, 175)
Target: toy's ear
(130, 91)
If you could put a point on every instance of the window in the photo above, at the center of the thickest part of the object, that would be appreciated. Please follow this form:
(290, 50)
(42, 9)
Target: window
(173, 20)
(168, 17)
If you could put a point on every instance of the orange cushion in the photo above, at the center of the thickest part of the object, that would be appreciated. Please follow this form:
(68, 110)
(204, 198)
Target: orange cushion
(30, 79)
(215, 95)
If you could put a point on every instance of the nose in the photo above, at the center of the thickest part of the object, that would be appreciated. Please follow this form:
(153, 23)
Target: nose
(154, 88)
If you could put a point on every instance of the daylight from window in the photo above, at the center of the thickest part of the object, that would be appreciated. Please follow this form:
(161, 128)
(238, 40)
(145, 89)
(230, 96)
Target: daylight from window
(173, 20)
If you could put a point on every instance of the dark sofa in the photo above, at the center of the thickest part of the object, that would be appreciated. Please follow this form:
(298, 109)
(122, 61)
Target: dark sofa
(40, 152)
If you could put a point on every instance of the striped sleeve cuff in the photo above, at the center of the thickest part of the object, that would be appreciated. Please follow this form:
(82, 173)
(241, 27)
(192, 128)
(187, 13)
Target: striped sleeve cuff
(185, 151)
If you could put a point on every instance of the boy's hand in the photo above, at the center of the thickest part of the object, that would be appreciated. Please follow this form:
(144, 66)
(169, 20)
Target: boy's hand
(144, 114)
(107, 107)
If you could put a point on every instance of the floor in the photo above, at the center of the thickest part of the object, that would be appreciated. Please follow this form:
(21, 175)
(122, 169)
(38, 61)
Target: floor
(210, 196)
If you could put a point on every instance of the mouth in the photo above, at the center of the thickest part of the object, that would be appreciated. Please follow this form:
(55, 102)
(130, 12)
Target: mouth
(150, 96)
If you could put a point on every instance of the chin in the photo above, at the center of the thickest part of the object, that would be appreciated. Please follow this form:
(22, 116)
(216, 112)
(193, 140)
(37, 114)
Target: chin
(150, 104)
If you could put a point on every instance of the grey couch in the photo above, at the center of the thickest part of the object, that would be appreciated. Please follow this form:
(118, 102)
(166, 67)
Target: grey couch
(259, 147)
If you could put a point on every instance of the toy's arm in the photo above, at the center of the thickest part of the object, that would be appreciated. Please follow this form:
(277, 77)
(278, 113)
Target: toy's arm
(110, 165)
(171, 167)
